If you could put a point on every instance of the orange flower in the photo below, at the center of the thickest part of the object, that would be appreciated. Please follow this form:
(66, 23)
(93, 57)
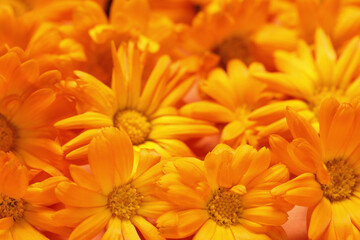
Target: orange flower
(339, 19)
(226, 196)
(234, 96)
(143, 109)
(308, 77)
(25, 112)
(120, 194)
(237, 29)
(327, 169)
(23, 207)
(41, 40)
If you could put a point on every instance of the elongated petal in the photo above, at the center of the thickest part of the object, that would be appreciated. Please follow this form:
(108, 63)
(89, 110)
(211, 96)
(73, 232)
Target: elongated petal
(129, 230)
(23, 230)
(83, 178)
(241, 233)
(72, 217)
(85, 120)
(320, 218)
(208, 111)
(73, 195)
(149, 231)
(91, 226)
(182, 224)
(206, 231)
(300, 128)
(113, 231)
(265, 215)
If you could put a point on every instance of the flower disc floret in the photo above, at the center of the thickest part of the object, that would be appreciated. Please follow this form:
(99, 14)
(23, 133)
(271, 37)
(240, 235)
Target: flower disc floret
(225, 207)
(135, 124)
(124, 201)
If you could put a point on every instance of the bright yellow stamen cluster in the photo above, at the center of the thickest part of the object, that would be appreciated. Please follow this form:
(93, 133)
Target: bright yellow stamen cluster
(135, 124)
(7, 135)
(225, 207)
(11, 207)
(233, 47)
(342, 180)
(124, 201)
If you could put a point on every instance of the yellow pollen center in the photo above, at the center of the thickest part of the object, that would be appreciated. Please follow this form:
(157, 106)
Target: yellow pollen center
(234, 47)
(225, 207)
(135, 124)
(11, 207)
(124, 201)
(342, 180)
(7, 135)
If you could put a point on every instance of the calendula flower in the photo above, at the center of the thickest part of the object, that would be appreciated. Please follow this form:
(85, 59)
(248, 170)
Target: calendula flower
(326, 167)
(41, 40)
(237, 29)
(119, 195)
(143, 109)
(309, 77)
(339, 19)
(23, 211)
(226, 196)
(26, 116)
(234, 95)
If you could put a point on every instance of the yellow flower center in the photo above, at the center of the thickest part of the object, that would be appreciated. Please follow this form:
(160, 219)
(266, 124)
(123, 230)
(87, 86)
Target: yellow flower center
(11, 207)
(7, 135)
(124, 201)
(342, 180)
(225, 207)
(234, 47)
(135, 124)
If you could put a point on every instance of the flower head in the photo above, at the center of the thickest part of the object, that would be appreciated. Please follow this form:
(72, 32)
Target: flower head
(120, 193)
(326, 166)
(233, 96)
(143, 108)
(227, 195)
(26, 112)
(308, 77)
(237, 30)
(24, 210)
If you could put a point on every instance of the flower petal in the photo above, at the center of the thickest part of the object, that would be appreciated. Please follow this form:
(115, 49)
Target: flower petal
(91, 226)
(73, 195)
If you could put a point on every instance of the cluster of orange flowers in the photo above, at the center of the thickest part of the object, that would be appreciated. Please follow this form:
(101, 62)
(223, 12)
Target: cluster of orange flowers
(179, 119)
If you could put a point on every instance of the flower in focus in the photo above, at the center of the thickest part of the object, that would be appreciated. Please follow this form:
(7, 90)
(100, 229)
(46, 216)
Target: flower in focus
(118, 195)
(326, 167)
(23, 208)
(143, 109)
(226, 196)
(25, 112)
(234, 95)
(308, 79)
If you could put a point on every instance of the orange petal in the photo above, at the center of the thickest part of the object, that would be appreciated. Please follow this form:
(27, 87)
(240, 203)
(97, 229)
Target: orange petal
(91, 226)
(113, 231)
(320, 218)
(73, 195)
(265, 215)
(83, 178)
(300, 128)
(148, 230)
